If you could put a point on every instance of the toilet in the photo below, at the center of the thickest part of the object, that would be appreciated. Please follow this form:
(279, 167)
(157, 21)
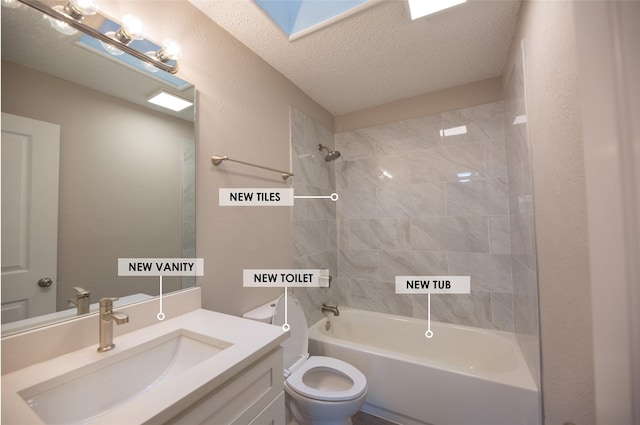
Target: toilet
(319, 390)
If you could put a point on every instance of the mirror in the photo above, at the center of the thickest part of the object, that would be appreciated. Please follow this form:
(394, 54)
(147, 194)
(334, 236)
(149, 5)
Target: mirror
(126, 173)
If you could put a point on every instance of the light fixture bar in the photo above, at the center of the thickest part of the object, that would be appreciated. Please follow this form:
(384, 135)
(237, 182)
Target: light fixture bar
(172, 69)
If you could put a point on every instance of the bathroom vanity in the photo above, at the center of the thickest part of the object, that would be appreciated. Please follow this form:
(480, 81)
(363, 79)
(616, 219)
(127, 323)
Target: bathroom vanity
(197, 367)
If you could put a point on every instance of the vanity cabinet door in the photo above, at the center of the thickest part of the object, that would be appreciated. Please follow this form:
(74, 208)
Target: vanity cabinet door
(273, 414)
(242, 398)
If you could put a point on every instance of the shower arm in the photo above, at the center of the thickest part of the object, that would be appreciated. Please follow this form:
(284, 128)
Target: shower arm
(216, 159)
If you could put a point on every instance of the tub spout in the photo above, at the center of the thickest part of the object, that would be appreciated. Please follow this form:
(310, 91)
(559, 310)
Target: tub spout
(330, 309)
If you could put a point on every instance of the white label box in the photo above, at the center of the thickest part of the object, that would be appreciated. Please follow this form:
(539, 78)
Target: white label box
(160, 267)
(255, 197)
(280, 278)
(433, 284)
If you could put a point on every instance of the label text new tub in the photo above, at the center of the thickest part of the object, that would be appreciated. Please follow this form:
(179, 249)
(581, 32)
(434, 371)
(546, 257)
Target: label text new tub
(460, 376)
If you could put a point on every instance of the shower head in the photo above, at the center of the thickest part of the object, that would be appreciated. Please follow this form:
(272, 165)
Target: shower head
(331, 155)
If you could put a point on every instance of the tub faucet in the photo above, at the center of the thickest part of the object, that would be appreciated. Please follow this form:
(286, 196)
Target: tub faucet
(330, 309)
(107, 317)
(81, 302)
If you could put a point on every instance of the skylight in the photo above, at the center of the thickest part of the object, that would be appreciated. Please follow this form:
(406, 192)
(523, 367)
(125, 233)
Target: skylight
(420, 8)
(300, 17)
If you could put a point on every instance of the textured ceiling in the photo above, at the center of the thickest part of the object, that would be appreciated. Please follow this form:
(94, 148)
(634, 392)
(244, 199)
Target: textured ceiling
(378, 55)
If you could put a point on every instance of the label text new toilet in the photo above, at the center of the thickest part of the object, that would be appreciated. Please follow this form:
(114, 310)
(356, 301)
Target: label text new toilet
(302, 278)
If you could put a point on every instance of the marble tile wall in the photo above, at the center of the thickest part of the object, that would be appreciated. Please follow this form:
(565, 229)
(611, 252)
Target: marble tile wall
(314, 220)
(427, 196)
(522, 235)
(447, 194)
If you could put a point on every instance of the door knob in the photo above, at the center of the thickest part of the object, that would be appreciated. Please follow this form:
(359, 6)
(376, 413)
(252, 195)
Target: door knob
(45, 282)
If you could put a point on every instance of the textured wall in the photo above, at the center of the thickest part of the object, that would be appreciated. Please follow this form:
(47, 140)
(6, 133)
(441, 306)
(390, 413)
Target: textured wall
(560, 209)
(242, 111)
(450, 99)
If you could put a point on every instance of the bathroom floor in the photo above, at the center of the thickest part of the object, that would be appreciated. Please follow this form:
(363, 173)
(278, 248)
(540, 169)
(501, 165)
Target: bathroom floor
(362, 418)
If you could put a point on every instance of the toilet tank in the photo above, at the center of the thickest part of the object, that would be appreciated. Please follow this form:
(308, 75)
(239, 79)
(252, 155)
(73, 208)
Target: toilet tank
(263, 313)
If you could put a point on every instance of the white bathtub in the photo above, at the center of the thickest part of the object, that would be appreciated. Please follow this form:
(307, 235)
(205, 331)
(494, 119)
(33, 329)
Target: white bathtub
(460, 376)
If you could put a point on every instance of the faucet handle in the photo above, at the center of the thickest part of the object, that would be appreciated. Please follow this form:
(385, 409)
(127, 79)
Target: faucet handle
(108, 301)
(81, 292)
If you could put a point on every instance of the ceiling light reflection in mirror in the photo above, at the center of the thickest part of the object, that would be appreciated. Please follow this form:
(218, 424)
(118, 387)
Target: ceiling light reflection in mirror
(170, 101)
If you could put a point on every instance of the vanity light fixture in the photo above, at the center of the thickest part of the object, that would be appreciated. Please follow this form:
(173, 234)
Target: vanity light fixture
(67, 19)
(170, 101)
(420, 8)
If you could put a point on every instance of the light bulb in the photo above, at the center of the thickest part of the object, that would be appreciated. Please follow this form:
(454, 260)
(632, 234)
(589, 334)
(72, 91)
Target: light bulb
(133, 26)
(171, 50)
(85, 7)
(58, 25)
(131, 29)
(11, 4)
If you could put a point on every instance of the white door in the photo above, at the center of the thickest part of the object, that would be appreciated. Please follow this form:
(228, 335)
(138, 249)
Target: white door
(30, 165)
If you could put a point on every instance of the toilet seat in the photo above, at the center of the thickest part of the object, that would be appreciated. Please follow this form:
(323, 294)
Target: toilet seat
(297, 362)
(295, 381)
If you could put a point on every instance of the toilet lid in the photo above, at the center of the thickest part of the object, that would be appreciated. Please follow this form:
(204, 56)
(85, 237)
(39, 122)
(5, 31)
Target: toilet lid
(297, 345)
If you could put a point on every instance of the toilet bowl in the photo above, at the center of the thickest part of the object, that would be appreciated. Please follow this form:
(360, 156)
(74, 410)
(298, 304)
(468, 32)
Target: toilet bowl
(319, 390)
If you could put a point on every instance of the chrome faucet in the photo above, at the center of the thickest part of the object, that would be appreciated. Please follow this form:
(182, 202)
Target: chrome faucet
(81, 301)
(330, 309)
(107, 317)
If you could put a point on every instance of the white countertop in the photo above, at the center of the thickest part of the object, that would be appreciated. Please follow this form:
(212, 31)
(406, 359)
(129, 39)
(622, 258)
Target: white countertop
(250, 340)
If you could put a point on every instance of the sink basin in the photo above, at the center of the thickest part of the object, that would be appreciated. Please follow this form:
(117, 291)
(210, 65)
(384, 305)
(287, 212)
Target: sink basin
(86, 393)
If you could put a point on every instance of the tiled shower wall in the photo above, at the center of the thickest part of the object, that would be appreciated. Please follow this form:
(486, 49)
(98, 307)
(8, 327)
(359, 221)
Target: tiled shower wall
(427, 196)
(314, 220)
(446, 194)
